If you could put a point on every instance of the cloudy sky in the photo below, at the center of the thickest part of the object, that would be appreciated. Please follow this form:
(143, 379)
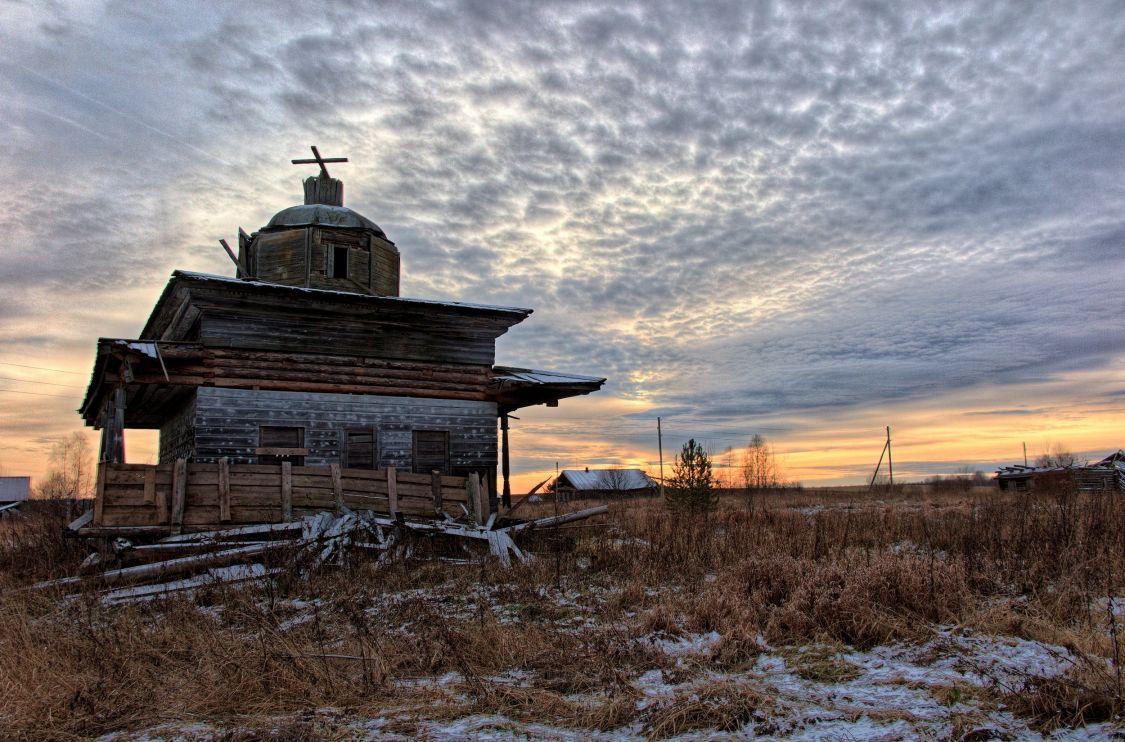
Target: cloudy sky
(808, 220)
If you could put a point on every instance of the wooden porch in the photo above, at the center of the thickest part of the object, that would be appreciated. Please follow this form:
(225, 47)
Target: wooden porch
(187, 496)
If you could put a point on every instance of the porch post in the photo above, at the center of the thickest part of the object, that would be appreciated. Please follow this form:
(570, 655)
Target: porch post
(505, 465)
(113, 429)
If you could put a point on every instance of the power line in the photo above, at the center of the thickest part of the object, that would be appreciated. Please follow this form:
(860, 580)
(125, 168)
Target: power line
(36, 381)
(37, 394)
(42, 368)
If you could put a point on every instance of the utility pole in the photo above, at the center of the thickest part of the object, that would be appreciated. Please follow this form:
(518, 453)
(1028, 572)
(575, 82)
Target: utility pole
(1025, 453)
(890, 464)
(660, 452)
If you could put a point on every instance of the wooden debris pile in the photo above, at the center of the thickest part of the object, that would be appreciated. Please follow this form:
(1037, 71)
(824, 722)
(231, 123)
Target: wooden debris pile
(244, 553)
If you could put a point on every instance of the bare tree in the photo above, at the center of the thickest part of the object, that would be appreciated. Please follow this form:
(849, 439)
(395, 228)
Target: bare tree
(70, 474)
(615, 480)
(1054, 455)
(759, 465)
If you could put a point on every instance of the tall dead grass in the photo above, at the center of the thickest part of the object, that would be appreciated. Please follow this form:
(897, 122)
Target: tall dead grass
(367, 638)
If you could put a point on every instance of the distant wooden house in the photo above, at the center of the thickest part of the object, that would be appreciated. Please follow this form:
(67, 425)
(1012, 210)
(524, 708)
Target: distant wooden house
(309, 357)
(1107, 475)
(573, 483)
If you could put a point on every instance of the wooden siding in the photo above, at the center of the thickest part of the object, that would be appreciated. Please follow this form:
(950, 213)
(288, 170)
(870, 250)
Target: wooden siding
(141, 495)
(196, 365)
(280, 257)
(177, 434)
(385, 267)
(227, 424)
(253, 315)
(418, 340)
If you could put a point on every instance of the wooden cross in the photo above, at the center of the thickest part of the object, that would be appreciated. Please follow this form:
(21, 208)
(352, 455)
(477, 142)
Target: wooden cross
(320, 161)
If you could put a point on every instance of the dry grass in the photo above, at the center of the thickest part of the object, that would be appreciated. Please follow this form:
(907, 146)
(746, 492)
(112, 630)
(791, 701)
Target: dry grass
(849, 569)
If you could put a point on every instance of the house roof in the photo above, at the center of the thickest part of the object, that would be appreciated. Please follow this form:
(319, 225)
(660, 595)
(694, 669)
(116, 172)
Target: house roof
(14, 489)
(330, 293)
(608, 479)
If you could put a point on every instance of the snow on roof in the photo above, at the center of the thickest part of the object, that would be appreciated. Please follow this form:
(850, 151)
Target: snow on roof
(531, 376)
(146, 349)
(608, 479)
(433, 302)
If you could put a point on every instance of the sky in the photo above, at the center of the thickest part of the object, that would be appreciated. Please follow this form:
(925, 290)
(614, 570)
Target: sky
(804, 220)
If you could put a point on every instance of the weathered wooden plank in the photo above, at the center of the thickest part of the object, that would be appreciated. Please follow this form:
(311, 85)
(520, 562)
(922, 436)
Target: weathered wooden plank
(276, 451)
(435, 489)
(337, 487)
(479, 512)
(163, 501)
(179, 495)
(150, 487)
(392, 491)
(99, 496)
(224, 489)
(286, 491)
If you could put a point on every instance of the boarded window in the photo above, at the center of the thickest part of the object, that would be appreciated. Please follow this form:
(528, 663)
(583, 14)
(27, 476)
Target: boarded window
(359, 449)
(277, 444)
(339, 262)
(431, 451)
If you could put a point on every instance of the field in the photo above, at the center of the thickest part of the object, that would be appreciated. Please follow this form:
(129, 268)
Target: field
(831, 614)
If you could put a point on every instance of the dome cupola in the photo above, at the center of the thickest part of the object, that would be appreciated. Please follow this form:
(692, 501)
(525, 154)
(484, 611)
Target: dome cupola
(322, 244)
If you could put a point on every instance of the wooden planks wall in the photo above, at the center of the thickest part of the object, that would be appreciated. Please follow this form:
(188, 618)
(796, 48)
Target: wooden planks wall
(227, 423)
(410, 339)
(254, 494)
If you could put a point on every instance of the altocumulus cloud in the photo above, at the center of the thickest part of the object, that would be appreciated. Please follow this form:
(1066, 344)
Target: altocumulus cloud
(729, 208)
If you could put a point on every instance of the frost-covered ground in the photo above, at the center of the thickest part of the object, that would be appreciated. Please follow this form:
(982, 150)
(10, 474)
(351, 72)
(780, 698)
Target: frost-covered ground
(940, 689)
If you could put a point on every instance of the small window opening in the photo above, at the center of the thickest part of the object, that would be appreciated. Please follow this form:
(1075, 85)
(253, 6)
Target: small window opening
(339, 262)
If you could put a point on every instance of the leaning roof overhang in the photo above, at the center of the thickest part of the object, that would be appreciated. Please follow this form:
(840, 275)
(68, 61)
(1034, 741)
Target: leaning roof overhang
(514, 388)
(115, 359)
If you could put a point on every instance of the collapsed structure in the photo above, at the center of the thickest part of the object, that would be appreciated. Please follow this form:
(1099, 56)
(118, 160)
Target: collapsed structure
(1107, 475)
(306, 383)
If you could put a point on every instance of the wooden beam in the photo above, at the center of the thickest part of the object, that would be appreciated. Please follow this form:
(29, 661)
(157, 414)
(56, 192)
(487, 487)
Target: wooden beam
(435, 488)
(392, 491)
(337, 487)
(179, 494)
(163, 511)
(242, 272)
(505, 465)
(99, 495)
(286, 491)
(224, 490)
(479, 503)
(281, 451)
(150, 486)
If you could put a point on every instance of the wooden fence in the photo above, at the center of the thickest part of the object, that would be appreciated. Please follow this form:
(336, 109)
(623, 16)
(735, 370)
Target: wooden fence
(191, 496)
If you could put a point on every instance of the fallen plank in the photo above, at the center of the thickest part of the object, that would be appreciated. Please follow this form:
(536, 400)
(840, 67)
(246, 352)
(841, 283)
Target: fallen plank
(169, 567)
(225, 575)
(239, 531)
(556, 520)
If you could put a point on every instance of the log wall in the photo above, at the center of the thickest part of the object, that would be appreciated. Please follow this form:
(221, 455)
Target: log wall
(227, 423)
(145, 496)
